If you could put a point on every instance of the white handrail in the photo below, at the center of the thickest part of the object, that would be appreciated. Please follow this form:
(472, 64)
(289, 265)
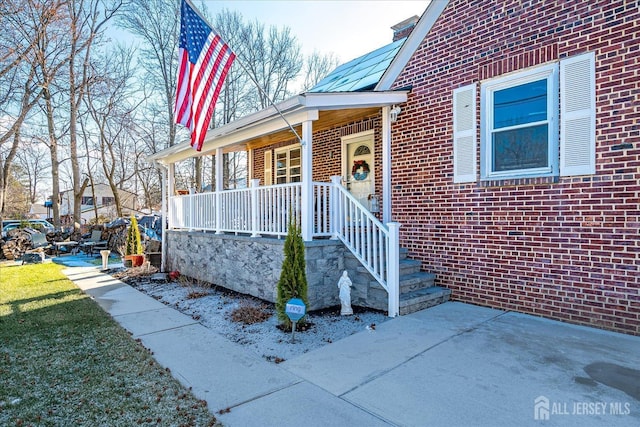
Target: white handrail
(362, 233)
(375, 245)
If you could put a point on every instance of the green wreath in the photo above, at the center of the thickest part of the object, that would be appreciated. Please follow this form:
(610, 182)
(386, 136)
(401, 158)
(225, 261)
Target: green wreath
(357, 165)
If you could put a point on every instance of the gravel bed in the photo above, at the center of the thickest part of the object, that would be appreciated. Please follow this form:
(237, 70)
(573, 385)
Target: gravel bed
(214, 308)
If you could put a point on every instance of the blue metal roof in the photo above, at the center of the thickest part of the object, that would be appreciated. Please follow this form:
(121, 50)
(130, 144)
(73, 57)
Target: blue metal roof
(360, 74)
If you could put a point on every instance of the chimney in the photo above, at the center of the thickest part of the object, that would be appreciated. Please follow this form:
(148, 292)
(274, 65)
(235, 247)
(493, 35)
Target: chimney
(404, 28)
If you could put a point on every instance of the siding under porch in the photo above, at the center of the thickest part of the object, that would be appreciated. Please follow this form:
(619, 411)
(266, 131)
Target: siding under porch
(252, 265)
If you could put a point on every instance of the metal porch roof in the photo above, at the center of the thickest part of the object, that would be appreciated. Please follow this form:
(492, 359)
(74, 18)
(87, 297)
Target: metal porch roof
(360, 74)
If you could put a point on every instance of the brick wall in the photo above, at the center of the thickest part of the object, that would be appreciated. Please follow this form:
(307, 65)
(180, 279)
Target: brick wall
(258, 160)
(567, 249)
(327, 150)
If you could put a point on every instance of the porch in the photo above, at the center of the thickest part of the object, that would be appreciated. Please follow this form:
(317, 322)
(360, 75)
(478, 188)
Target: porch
(235, 238)
(335, 133)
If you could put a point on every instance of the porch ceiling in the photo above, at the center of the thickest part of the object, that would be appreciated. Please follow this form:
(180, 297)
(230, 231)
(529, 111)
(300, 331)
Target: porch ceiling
(266, 127)
(326, 120)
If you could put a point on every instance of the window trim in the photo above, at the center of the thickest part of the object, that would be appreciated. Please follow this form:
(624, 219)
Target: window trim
(287, 149)
(487, 88)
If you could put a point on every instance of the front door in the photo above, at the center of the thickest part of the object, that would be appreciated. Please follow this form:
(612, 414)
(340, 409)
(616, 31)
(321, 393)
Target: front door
(358, 167)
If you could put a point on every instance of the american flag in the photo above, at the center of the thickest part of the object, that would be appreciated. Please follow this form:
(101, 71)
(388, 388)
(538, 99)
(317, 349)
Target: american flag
(204, 61)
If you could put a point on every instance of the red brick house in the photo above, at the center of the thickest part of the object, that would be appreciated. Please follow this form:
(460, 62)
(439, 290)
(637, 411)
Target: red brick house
(503, 146)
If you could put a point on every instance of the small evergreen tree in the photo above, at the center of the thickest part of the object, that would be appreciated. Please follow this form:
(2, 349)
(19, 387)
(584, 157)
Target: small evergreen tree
(293, 278)
(134, 243)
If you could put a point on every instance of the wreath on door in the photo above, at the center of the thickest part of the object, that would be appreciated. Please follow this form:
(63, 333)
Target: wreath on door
(360, 170)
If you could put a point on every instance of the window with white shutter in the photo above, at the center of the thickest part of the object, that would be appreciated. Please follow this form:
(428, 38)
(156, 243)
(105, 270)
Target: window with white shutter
(519, 128)
(577, 112)
(464, 134)
(520, 133)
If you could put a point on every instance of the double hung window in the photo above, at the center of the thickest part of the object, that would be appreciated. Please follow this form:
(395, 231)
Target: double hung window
(539, 122)
(519, 125)
(288, 163)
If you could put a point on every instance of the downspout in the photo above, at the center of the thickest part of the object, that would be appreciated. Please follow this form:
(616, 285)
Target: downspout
(386, 164)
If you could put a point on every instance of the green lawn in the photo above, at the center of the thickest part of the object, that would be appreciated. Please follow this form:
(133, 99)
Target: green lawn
(64, 361)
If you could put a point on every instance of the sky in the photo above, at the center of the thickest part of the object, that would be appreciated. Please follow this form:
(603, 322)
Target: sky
(347, 28)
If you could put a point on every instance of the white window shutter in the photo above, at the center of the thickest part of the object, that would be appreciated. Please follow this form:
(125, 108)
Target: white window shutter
(578, 115)
(268, 167)
(464, 134)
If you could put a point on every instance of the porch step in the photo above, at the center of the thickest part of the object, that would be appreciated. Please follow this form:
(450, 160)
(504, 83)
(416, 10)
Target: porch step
(415, 281)
(417, 288)
(407, 266)
(423, 298)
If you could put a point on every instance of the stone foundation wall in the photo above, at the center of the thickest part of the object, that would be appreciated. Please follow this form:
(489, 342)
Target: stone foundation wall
(252, 265)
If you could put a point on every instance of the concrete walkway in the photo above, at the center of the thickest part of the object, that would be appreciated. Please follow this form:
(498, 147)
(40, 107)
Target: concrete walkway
(451, 365)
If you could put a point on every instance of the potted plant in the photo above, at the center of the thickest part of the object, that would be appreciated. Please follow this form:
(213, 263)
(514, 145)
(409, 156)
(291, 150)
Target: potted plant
(133, 248)
(122, 250)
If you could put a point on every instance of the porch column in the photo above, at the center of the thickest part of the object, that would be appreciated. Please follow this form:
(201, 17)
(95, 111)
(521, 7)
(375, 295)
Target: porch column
(164, 216)
(250, 165)
(171, 190)
(393, 272)
(386, 165)
(307, 182)
(337, 216)
(255, 208)
(219, 188)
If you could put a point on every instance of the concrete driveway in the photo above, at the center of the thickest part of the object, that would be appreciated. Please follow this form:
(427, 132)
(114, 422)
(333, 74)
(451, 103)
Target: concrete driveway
(458, 364)
(451, 365)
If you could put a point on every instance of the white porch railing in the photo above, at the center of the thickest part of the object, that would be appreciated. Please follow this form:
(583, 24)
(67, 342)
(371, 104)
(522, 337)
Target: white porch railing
(265, 211)
(257, 210)
(375, 245)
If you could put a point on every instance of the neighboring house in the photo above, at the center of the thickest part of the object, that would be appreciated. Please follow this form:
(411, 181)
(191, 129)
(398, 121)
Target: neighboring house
(103, 203)
(39, 211)
(499, 144)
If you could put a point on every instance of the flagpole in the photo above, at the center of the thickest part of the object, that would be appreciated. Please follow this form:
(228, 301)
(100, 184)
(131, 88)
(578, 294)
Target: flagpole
(250, 75)
(270, 100)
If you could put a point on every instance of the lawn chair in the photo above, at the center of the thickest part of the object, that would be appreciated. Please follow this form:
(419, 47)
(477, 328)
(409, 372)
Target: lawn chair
(39, 244)
(89, 245)
(105, 244)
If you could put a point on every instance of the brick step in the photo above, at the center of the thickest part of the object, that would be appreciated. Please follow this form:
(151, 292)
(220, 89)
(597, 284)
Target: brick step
(423, 298)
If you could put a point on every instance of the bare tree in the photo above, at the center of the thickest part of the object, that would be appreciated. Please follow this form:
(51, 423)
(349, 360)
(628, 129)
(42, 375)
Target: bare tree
(270, 58)
(156, 23)
(316, 67)
(87, 19)
(112, 112)
(25, 24)
(31, 158)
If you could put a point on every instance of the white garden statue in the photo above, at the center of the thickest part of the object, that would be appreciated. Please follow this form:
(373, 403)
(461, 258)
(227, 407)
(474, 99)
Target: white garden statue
(344, 284)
